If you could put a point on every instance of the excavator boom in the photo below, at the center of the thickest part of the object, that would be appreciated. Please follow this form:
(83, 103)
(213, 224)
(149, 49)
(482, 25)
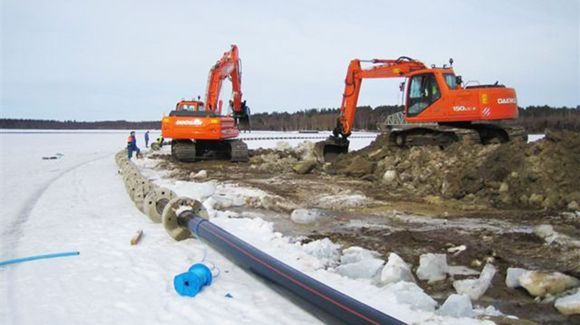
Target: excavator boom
(229, 66)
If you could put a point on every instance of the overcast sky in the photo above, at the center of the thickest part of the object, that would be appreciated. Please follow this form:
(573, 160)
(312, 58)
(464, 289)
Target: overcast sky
(103, 59)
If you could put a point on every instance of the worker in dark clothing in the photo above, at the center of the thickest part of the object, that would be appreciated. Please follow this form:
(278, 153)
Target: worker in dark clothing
(132, 145)
(147, 139)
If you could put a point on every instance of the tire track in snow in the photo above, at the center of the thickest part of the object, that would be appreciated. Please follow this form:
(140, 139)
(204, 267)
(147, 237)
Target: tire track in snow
(12, 234)
(22, 216)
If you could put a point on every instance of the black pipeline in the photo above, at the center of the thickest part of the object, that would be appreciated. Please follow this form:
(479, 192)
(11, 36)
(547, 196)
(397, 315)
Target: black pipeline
(335, 303)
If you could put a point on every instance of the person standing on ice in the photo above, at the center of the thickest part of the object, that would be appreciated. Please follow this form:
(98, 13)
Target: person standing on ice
(132, 145)
(147, 139)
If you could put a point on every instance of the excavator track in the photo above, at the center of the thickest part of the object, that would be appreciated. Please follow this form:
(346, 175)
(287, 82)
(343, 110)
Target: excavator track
(238, 151)
(183, 150)
(442, 135)
(190, 151)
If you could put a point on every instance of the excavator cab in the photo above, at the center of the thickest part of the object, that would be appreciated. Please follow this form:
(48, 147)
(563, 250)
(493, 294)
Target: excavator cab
(422, 92)
(191, 108)
(190, 105)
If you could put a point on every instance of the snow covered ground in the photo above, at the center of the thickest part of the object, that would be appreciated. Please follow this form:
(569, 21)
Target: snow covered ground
(78, 203)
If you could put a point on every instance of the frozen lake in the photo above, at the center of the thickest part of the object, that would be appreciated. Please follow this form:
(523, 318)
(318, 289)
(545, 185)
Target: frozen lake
(78, 203)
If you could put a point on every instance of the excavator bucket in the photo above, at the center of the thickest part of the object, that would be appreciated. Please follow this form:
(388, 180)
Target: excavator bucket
(243, 118)
(329, 149)
(243, 122)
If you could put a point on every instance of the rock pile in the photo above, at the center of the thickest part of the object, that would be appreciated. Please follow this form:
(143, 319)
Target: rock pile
(542, 174)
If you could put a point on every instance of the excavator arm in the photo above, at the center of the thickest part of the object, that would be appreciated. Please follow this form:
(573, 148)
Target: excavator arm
(352, 84)
(227, 67)
(338, 143)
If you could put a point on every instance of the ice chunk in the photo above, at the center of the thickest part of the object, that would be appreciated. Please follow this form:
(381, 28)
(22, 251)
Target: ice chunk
(461, 270)
(432, 267)
(411, 294)
(283, 146)
(457, 306)
(512, 277)
(210, 203)
(569, 305)
(305, 216)
(359, 263)
(364, 269)
(475, 288)
(542, 283)
(546, 232)
(356, 254)
(488, 311)
(342, 200)
(396, 270)
(239, 201)
(323, 249)
(222, 202)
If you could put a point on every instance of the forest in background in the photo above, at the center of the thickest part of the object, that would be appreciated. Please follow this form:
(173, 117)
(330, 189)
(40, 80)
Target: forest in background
(532, 118)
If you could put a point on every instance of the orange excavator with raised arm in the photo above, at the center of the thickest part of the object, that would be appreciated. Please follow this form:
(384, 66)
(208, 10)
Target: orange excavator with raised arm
(434, 96)
(198, 130)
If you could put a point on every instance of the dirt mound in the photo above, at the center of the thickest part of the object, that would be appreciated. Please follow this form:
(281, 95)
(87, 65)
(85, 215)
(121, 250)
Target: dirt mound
(543, 174)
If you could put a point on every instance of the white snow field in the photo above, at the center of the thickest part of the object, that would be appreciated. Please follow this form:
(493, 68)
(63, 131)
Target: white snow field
(78, 203)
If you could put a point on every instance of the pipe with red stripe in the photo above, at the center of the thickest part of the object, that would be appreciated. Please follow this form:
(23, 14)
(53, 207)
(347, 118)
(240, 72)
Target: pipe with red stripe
(336, 304)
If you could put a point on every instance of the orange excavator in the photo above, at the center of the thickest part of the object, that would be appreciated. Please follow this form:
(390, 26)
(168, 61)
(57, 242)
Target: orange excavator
(434, 96)
(198, 130)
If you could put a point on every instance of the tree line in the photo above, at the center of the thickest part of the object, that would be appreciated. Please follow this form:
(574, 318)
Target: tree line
(532, 118)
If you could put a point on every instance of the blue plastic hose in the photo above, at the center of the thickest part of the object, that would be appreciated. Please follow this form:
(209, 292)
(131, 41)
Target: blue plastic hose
(37, 257)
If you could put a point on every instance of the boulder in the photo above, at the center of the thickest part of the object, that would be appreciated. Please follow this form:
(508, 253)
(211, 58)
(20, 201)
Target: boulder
(202, 174)
(359, 167)
(540, 284)
(434, 199)
(389, 176)
(536, 200)
(569, 305)
(504, 187)
(304, 167)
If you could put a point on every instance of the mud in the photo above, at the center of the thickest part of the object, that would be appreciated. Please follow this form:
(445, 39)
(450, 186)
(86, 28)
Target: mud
(487, 198)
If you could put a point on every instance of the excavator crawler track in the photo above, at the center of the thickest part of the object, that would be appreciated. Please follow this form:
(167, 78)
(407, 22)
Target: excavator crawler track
(190, 151)
(183, 150)
(441, 135)
(238, 151)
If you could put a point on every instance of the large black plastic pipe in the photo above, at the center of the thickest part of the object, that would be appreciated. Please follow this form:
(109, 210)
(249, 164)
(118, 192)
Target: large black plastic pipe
(335, 303)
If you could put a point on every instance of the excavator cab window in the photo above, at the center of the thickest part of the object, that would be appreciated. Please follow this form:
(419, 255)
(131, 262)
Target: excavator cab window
(423, 91)
(450, 80)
